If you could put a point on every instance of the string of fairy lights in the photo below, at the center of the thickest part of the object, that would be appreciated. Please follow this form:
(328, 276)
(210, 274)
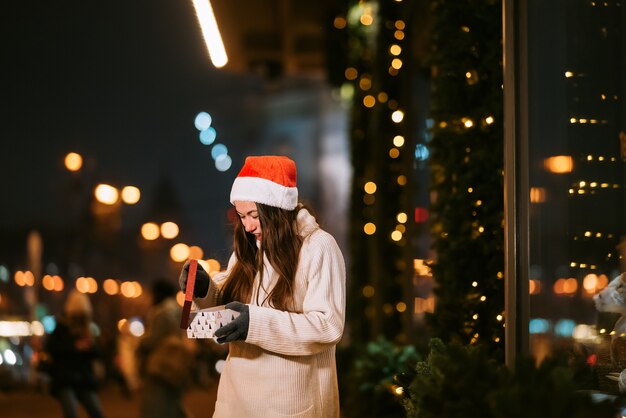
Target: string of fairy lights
(373, 77)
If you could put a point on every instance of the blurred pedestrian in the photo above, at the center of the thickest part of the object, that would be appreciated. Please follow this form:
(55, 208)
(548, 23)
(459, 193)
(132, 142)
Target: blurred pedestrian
(164, 356)
(286, 278)
(126, 359)
(73, 350)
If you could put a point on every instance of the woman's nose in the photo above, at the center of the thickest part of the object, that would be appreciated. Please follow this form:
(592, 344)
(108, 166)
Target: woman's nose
(248, 225)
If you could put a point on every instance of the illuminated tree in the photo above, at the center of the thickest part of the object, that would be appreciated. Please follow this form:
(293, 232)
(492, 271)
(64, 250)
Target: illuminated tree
(467, 171)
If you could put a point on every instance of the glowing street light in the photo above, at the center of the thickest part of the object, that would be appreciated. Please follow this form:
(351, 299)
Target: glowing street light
(211, 32)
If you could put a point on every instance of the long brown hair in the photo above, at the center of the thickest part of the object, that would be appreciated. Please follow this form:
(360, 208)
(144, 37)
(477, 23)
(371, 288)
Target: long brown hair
(281, 243)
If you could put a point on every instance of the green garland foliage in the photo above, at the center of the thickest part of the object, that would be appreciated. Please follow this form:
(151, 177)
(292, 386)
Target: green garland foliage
(467, 172)
(465, 381)
(377, 374)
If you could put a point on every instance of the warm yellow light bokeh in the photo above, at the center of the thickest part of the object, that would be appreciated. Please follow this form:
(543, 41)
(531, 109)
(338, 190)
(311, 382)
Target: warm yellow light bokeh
(537, 194)
(214, 265)
(130, 195)
(368, 291)
(351, 73)
(195, 252)
(559, 164)
(73, 161)
(370, 187)
(47, 282)
(340, 22)
(397, 116)
(111, 287)
(169, 230)
(106, 194)
(29, 278)
(179, 252)
(82, 285)
(150, 231)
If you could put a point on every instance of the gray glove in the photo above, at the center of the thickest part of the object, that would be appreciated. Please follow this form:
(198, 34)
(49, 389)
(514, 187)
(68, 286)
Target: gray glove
(238, 329)
(201, 287)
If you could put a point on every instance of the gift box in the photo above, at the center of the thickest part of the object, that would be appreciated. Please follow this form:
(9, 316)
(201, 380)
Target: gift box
(205, 322)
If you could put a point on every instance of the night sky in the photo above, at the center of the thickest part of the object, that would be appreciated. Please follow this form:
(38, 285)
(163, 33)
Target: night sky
(119, 82)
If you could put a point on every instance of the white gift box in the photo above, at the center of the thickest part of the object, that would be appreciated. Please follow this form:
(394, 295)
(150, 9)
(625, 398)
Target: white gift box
(205, 322)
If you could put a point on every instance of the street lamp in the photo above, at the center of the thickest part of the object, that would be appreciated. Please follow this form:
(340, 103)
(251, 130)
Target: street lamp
(211, 32)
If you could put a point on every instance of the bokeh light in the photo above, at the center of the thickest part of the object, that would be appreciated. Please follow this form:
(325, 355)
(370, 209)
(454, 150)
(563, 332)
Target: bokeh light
(111, 287)
(421, 152)
(397, 116)
(169, 230)
(86, 285)
(150, 231)
(203, 121)
(398, 140)
(106, 194)
(179, 252)
(559, 164)
(73, 161)
(131, 289)
(214, 265)
(207, 137)
(195, 252)
(217, 150)
(370, 187)
(130, 195)
(49, 323)
(369, 228)
(136, 327)
(223, 162)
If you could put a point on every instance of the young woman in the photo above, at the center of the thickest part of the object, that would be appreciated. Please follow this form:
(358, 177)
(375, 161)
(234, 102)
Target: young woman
(287, 278)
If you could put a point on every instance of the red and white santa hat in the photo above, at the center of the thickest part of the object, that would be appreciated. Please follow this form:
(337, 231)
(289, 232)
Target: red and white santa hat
(270, 180)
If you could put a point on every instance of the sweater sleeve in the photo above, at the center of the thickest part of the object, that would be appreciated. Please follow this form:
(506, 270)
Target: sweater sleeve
(321, 323)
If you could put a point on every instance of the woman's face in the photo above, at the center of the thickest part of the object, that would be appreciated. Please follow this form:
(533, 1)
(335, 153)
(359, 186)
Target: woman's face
(249, 215)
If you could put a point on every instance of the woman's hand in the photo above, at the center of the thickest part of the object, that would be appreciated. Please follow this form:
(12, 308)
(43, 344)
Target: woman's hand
(238, 329)
(201, 287)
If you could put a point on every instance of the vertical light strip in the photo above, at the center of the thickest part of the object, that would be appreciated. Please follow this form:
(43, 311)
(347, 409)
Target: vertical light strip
(211, 32)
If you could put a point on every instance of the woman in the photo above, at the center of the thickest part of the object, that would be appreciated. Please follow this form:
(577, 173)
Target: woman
(287, 278)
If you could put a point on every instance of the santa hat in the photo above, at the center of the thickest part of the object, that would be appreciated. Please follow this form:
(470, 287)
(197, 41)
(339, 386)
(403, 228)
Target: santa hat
(270, 180)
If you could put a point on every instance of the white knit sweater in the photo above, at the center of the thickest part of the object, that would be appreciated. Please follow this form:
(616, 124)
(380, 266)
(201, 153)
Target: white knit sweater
(286, 367)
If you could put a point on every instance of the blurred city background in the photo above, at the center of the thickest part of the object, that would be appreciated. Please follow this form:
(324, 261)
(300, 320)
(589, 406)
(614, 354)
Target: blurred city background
(121, 136)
